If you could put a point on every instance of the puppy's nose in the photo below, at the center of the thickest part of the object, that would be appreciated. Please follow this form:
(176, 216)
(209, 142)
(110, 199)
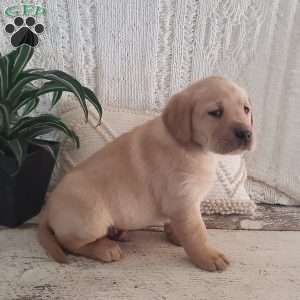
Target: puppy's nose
(243, 134)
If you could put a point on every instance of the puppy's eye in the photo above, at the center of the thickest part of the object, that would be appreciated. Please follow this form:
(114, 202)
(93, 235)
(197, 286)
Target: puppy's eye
(218, 113)
(246, 109)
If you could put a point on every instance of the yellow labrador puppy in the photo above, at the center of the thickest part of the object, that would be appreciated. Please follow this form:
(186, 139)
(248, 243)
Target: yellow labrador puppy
(157, 173)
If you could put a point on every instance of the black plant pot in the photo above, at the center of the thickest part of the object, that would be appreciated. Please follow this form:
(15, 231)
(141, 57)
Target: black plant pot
(22, 194)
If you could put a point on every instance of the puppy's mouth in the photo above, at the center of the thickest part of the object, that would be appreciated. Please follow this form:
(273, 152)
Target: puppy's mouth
(244, 146)
(231, 146)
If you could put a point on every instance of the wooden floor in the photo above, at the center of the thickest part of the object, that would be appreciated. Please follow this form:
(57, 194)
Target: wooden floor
(265, 266)
(266, 217)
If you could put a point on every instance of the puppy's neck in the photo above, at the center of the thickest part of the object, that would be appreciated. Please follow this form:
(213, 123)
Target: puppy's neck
(190, 148)
(197, 152)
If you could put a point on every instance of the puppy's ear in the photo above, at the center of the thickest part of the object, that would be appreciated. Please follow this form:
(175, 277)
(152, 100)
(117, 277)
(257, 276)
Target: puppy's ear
(177, 117)
(252, 118)
(254, 141)
(252, 121)
(253, 146)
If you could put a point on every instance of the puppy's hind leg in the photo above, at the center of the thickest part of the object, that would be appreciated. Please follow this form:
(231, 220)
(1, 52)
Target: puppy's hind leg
(84, 232)
(93, 242)
(102, 249)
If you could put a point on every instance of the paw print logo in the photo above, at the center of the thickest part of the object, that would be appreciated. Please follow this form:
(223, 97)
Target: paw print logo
(24, 32)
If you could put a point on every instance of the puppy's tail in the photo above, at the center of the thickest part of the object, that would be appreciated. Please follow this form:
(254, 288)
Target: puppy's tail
(48, 240)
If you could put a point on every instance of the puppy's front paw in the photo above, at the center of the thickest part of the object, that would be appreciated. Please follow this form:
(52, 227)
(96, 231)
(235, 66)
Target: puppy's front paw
(211, 260)
(170, 235)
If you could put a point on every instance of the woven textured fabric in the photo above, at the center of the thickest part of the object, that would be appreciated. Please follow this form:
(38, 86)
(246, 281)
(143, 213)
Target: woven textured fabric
(134, 54)
(228, 195)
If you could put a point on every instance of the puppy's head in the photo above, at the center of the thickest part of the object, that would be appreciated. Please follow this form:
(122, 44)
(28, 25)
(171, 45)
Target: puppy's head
(213, 113)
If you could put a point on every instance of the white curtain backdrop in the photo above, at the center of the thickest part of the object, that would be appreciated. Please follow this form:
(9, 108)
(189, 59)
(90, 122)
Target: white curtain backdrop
(136, 53)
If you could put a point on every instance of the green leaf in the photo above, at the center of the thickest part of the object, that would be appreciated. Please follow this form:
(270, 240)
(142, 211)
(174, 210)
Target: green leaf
(4, 146)
(35, 125)
(60, 81)
(70, 84)
(6, 69)
(32, 93)
(21, 120)
(56, 96)
(17, 150)
(47, 127)
(15, 147)
(12, 58)
(27, 92)
(50, 87)
(25, 102)
(4, 77)
(35, 131)
(94, 101)
(31, 105)
(16, 91)
(4, 119)
(24, 55)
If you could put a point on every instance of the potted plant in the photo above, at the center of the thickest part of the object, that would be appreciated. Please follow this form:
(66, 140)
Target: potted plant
(27, 161)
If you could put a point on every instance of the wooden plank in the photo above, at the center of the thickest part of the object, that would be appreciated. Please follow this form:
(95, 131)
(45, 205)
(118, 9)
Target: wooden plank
(267, 217)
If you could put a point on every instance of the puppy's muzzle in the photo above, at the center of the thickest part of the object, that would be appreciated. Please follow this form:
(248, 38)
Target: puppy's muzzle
(243, 135)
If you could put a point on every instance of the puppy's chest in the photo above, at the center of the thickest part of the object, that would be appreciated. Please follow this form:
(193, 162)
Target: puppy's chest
(197, 185)
(196, 180)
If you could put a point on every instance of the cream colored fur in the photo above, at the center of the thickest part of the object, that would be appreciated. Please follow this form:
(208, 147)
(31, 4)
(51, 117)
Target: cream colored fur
(158, 172)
